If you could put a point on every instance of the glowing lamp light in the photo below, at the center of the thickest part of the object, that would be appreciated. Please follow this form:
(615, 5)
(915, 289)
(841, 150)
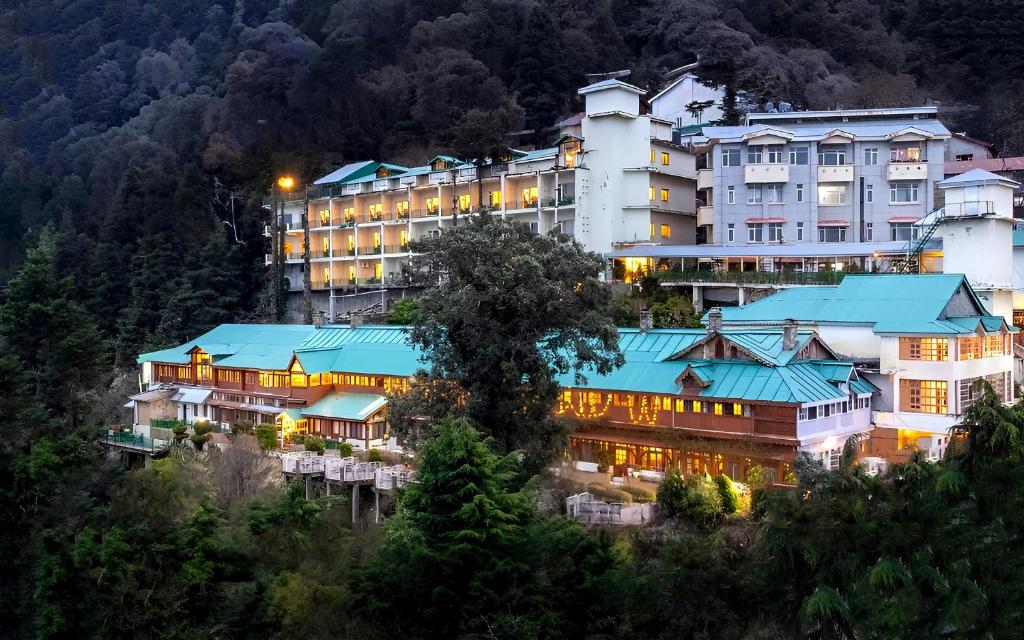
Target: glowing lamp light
(286, 182)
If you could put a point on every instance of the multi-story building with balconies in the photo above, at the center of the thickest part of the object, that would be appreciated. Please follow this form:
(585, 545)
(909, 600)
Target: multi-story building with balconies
(827, 177)
(622, 181)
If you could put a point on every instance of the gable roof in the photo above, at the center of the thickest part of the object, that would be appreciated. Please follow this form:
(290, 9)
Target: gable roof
(889, 303)
(344, 172)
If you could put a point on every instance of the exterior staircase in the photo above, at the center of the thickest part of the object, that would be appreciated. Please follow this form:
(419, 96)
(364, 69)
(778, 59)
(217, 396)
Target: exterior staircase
(915, 246)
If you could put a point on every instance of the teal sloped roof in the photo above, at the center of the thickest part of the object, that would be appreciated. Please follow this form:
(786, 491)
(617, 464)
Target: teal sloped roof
(728, 379)
(656, 345)
(767, 345)
(332, 336)
(1018, 238)
(641, 377)
(346, 406)
(892, 303)
(229, 341)
(861, 385)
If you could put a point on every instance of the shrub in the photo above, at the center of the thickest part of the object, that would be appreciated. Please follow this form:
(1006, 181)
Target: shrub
(373, 455)
(201, 434)
(694, 498)
(345, 450)
(727, 492)
(315, 443)
(603, 458)
(242, 427)
(758, 492)
(266, 435)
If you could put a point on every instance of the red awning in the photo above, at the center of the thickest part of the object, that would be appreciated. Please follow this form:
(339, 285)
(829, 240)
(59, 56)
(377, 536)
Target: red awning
(833, 223)
(764, 220)
(904, 219)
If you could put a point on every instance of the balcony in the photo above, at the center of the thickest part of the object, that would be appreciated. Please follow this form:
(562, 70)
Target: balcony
(835, 173)
(424, 213)
(705, 216)
(908, 171)
(366, 251)
(765, 173)
(396, 248)
(752, 277)
(706, 179)
(367, 281)
(516, 205)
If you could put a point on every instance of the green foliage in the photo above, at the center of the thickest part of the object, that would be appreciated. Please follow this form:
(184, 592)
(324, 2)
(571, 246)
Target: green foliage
(728, 494)
(675, 312)
(695, 499)
(345, 450)
(243, 428)
(535, 303)
(624, 312)
(373, 455)
(266, 435)
(603, 458)
(201, 434)
(405, 311)
(315, 443)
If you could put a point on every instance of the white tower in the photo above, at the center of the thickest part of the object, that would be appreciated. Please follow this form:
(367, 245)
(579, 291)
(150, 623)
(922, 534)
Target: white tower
(976, 227)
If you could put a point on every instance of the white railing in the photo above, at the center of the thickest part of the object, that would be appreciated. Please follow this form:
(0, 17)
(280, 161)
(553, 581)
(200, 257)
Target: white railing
(302, 462)
(350, 470)
(395, 477)
(583, 506)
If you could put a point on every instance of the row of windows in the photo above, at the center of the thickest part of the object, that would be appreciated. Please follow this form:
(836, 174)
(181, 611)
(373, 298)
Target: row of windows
(833, 408)
(661, 403)
(664, 194)
(924, 396)
(347, 429)
(898, 231)
(828, 194)
(968, 348)
(664, 157)
(828, 154)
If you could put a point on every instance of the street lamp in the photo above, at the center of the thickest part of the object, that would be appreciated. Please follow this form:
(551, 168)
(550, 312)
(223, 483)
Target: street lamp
(287, 183)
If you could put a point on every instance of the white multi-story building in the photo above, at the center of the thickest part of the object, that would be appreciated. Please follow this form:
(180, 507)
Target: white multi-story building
(622, 181)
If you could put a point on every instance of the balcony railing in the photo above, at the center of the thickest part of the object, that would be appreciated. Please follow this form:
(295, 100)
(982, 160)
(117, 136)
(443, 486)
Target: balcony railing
(521, 204)
(565, 201)
(753, 277)
(394, 248)
(365, 281)
(424, 213)
(132, 441)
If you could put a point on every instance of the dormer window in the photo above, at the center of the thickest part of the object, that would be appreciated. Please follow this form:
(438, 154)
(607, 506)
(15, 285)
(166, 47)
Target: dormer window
(383, 172)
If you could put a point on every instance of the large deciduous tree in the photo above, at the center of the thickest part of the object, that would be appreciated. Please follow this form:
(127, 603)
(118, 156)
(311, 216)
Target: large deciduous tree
(508, 312)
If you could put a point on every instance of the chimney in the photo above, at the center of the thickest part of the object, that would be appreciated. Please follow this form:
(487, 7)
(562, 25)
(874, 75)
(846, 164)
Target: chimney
(646, 321)
(715, 320)
(788, 334)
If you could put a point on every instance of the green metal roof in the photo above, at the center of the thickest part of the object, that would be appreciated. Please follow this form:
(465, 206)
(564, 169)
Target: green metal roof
(346, 406)
(891, 303)
(653, 364)
(862, 385)
(1018, 238)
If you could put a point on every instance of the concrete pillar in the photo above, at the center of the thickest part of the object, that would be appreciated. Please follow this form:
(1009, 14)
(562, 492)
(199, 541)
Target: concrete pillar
(698, 298)
(742, 293)
(355, 504)
(376, 506)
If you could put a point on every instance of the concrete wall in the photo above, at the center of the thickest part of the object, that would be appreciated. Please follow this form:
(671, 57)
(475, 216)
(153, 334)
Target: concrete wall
(672, 104)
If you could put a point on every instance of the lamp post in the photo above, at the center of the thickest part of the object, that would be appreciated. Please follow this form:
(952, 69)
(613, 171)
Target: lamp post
(284, 184)
(307, 276)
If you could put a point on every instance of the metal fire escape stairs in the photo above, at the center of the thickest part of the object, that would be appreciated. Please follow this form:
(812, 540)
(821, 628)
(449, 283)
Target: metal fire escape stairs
(928, 225)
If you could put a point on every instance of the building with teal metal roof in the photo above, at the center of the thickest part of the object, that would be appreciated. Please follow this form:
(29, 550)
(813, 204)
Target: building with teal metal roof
(923, 340)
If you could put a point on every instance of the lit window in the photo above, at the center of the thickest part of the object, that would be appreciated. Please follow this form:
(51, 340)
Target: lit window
(495, 198)
(652, 154)
(737, 409)
(464, 203)
(831, 194)
(666, 231)
(719, 409)
(620, 456)
(680, 406)
(664, 195)
(696, 406)
(664, 158)
(650, 193)
(934, 349)
(924, 396)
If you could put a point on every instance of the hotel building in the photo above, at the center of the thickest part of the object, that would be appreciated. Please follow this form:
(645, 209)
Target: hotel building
(715, 399)
(615, 179)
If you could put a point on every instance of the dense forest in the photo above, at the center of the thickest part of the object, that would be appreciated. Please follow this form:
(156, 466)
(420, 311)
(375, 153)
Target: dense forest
(140, 136)
(136, 142)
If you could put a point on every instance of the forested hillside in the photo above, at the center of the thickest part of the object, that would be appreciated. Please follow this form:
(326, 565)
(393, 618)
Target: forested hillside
(139, 136)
